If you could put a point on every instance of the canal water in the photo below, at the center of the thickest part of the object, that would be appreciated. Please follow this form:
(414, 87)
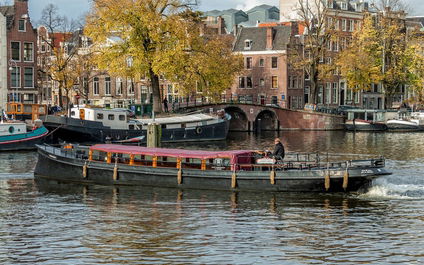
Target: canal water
(47, 223)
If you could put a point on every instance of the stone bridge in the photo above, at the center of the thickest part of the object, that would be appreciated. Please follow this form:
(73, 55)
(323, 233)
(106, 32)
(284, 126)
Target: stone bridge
(253, 117)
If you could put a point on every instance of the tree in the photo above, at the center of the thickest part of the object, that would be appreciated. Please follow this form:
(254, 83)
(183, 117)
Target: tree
(319, 25)
(58, 65)
(361, 62)
(158, 37)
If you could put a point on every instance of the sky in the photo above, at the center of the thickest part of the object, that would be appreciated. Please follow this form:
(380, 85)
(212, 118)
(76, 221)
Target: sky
(74, 9)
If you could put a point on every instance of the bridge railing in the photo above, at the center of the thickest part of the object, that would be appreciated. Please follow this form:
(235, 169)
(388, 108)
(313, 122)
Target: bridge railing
(193, 102)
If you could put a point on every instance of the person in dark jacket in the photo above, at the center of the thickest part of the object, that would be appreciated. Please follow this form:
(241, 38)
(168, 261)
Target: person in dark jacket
(278, 149)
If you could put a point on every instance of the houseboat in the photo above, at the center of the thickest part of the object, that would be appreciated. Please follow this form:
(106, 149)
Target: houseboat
(365, 120)
(16, 136)
(102, 125)
(239, 170)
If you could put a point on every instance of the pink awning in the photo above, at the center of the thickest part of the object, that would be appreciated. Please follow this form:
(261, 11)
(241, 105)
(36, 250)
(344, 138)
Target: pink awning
(179, 153)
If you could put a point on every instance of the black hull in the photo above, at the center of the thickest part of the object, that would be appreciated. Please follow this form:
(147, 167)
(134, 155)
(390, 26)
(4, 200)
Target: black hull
(22, 145)
(55, 165)
(75, 130)
(366, 127)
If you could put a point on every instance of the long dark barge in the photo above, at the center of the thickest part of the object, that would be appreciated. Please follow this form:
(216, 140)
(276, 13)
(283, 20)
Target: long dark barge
(110, 164)
(97, 125)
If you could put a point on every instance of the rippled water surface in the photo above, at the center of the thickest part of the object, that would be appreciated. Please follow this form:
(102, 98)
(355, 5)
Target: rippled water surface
(48, 223)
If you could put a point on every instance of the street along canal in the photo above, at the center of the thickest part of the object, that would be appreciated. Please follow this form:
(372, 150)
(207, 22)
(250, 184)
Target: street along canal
(46, 223)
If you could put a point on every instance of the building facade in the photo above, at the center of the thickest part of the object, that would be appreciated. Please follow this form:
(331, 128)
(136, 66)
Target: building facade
(21, 53)
(267, 78)
(3, 62)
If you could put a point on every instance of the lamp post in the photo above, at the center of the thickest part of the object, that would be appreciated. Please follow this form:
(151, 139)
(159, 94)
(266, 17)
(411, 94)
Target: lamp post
(13, 65)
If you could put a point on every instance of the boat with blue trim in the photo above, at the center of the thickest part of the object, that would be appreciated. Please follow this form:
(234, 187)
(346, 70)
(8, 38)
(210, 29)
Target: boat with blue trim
(16, 136)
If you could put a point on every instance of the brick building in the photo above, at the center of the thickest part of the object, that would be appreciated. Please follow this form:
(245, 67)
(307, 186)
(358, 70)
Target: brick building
(268, 77)
(21, 55)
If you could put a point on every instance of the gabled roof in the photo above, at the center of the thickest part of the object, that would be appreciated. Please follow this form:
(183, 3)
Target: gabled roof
(262, 7)
(257, 36)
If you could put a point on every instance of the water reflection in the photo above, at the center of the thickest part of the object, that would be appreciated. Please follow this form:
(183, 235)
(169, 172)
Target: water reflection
(189, 226)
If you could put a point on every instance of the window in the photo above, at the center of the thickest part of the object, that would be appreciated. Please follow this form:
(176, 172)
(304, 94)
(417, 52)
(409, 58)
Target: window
(241, 82)
(22, 25)
(247, 44)
(351, 25)
(336, 45)
(261, 82)
(274, 63)
(328, 93)
(28, 77)
(248, 62)
(329, 44)
(16, 77)
(95, 86)
(249, 82)
(344, 5)
(111, 117)
(130, 87)
(107, 86)
(336, 24)
(28, 52)
(344, 24)
(118, 86)
(274, 82)
(320, 91)
(335, 94)
(100, 116)
(16, 51)
(261, 62)
(122, 117)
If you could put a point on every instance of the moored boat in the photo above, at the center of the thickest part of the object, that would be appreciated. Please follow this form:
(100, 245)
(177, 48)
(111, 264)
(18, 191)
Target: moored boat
(111, 164)
(101, 125)
(15, 136)
(402, 125)
(365, 120)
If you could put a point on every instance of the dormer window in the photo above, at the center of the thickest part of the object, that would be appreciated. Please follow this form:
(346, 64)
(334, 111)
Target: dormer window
(247, 44)
(22, 25)
(344, 6)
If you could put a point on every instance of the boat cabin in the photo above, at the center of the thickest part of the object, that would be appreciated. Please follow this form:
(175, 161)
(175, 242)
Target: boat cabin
(116, 119)
(24, 111)
(371, 115)
(11, 128)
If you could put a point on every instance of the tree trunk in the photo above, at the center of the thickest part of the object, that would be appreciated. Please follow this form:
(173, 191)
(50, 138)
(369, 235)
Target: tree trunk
(157, 101)
(60, 95)
(314, 83)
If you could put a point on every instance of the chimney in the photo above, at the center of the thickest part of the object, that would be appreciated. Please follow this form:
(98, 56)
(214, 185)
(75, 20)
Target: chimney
(269, 38)
(21, 7)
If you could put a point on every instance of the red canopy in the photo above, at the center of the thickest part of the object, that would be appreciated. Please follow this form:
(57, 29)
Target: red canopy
(179, 153)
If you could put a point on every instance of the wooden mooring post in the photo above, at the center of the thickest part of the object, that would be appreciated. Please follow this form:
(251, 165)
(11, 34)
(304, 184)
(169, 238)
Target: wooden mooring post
(154, 134)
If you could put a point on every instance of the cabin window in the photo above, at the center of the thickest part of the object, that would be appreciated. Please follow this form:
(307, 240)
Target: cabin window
(100, 116)
(111, 117)
(72, 113)
(163, 126)
(122, 117)
(131, 126)
(183, 125)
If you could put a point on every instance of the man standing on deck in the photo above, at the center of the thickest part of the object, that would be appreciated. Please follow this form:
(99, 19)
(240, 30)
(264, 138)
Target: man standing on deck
(278, 150)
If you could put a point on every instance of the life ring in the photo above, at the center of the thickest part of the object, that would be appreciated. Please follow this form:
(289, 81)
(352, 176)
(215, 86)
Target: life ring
(11, 129)
(199, 130)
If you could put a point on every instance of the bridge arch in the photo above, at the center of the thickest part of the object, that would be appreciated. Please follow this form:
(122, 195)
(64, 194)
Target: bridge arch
(266, 120)
(239, 120)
